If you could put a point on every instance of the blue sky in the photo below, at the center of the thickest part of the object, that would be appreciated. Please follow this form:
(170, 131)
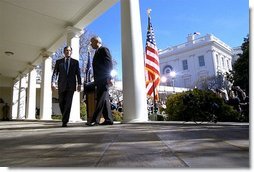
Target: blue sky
(173, 20)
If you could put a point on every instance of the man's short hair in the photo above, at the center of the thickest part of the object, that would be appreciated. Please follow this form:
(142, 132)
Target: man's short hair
(67, 47)
(97, 38)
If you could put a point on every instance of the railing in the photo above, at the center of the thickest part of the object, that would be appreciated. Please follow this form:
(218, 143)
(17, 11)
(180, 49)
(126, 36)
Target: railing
(204, 39)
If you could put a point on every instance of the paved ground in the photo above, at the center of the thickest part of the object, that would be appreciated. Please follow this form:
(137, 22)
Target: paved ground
(149, 145)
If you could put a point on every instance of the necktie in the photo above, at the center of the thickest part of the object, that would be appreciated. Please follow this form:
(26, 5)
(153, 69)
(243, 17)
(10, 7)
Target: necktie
(66, 65)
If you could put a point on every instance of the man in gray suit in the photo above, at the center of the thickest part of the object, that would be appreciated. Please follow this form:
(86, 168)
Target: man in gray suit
(67, 73)
(102, 67)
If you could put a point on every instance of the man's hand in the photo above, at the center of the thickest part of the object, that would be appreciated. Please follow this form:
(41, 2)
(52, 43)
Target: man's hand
(110, 82)
(79, 88)
(53, 88)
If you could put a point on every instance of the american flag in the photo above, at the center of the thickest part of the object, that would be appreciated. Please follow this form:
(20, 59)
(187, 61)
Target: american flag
(151, 62)
(88, 70)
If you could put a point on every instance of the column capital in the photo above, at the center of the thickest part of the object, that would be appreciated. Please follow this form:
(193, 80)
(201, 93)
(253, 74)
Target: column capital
(72, 32)
(20, 74)
(45, 54)
(31, 66)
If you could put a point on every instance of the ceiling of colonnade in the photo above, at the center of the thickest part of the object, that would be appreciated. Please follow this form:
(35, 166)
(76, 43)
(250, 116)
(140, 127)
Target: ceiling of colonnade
(27, 27)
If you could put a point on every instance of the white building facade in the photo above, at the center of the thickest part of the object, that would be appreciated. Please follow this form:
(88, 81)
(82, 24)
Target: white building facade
(195, 60)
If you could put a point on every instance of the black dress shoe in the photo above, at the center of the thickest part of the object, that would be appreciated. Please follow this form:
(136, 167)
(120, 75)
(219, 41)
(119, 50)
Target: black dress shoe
(91, 123)
(107, 123)
(64, 125)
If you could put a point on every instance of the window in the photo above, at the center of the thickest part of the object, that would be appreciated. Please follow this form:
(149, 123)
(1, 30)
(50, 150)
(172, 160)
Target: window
(185, 64)
(201, 61)
(167, 69)
(187, 82)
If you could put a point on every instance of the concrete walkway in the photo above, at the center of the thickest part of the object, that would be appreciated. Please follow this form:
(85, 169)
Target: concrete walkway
(148, 145)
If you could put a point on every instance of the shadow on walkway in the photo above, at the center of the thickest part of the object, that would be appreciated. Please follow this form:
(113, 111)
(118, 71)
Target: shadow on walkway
(148, 145)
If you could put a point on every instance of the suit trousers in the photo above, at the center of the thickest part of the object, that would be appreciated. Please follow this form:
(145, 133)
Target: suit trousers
(65, 102)
(102, 106)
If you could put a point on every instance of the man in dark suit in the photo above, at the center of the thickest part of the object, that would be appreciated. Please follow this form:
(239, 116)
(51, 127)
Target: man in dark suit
(67, 73)
(102, 67)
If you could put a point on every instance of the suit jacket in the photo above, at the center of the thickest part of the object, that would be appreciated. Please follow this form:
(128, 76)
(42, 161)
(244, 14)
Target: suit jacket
(67, 81)
(102, 65)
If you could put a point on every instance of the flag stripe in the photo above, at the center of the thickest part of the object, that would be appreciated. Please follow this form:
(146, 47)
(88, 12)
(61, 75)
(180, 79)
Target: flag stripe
(152, 46)
(152, 57)
(152, 62)
(152, 69)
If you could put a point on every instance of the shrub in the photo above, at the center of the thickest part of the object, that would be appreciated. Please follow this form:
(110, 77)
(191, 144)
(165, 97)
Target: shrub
(197, 105)
(56, 117)
(117, 116)
(83, 112)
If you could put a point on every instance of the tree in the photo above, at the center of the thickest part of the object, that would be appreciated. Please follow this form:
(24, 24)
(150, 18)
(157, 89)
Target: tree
(84, 43)
(219, 81)
(241, 67)
(83, 51)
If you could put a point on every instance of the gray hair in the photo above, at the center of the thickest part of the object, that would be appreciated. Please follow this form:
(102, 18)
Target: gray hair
(97, 38)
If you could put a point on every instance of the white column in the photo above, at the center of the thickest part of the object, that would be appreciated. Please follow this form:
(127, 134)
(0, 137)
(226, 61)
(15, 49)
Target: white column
(22, 98)
(15, 100)
(31, 96)
(72, 35)
(213, 56)
(46, 92)
(134, 90)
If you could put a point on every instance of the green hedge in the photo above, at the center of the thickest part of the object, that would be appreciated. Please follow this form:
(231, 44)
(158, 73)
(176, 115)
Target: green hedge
(83, 112)
(117, 116)
(199, 105)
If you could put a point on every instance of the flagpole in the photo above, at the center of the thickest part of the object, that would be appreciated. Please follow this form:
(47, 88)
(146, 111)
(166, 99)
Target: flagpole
(149, 11)
(154, 101)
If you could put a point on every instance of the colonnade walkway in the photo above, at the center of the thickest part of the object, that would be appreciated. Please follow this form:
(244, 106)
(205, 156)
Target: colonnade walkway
(139, 145)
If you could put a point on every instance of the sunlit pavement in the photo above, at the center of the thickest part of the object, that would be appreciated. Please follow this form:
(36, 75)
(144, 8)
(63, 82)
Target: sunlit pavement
(148, 145)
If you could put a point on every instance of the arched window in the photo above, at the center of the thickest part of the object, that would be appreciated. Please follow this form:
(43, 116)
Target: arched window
(167, 69)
